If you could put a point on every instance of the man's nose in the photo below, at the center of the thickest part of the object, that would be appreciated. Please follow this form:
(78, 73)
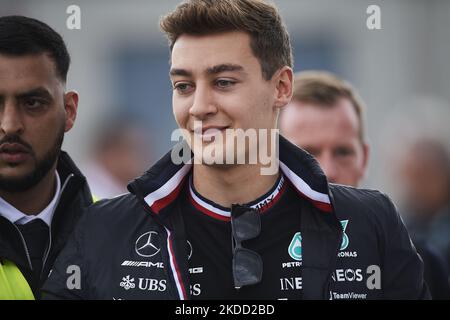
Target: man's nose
(11, 121)
(203, 104)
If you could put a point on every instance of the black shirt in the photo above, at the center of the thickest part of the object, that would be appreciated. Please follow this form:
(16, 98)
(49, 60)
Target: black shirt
(208, 230)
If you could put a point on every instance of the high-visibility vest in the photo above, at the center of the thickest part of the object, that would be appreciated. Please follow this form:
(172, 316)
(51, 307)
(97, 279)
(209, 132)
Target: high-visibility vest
(13, 285)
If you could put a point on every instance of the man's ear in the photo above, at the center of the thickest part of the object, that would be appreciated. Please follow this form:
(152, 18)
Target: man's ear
(70, 106)
(284, 82)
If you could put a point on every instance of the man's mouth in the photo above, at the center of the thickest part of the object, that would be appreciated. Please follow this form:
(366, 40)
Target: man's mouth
(208, 133)
(14, 152)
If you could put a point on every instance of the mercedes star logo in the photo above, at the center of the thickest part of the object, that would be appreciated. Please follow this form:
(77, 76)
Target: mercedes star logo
(147, 245)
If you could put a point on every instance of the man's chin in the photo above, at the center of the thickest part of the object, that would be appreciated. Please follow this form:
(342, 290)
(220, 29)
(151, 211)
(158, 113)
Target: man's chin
(20, 180)
(15, 173)
(216, 166)
(220, 161)
(16, 184)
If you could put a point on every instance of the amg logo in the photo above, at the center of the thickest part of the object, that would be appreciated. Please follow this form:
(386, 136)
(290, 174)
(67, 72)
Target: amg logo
(146, 264)
(266, 202)
(196, 270)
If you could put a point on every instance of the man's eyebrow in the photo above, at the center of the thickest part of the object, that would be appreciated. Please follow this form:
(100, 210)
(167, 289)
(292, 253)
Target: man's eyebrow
(180, 72)
(41, 92)
(210, 71)
(223, 68)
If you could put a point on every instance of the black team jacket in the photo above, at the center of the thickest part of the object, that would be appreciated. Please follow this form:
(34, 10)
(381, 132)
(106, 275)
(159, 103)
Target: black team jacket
(378, 262)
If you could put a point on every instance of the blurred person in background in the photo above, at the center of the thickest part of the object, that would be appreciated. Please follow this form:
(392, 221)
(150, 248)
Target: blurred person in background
(424, 174)
(42, 192)
(325, 118)
(119, 153)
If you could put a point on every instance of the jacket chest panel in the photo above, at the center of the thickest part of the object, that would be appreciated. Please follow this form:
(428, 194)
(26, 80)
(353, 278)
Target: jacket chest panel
(357, 274)
(134, 268)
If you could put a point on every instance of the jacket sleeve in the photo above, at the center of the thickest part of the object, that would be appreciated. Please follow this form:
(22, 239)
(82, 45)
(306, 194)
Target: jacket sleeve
(67, 279)
(402, 269)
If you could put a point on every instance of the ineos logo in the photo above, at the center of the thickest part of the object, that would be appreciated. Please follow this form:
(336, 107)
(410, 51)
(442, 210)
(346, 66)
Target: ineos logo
(147, 245)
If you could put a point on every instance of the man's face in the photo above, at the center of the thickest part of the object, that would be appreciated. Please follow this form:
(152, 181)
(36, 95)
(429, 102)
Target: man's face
(34, 114)
(218, 80)
(424, 178)
(331, 135)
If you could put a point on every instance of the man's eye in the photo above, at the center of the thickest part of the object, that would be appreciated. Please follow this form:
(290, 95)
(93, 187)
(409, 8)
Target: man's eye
(182, 88)
(33, 103)
(343, 152)
(224, 83)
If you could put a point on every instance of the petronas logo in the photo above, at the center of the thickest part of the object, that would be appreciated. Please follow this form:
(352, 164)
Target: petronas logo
(345, 240)
(295, 248)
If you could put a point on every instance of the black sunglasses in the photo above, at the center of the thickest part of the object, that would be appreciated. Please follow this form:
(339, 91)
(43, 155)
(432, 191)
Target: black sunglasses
(247, 264)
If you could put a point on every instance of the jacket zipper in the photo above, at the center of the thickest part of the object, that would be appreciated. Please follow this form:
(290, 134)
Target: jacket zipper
(44, 260)
(25, 246)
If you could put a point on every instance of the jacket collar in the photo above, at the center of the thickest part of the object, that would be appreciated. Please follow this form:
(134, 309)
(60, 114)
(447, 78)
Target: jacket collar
(74, 193)
(162, 183)
(67, 167)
